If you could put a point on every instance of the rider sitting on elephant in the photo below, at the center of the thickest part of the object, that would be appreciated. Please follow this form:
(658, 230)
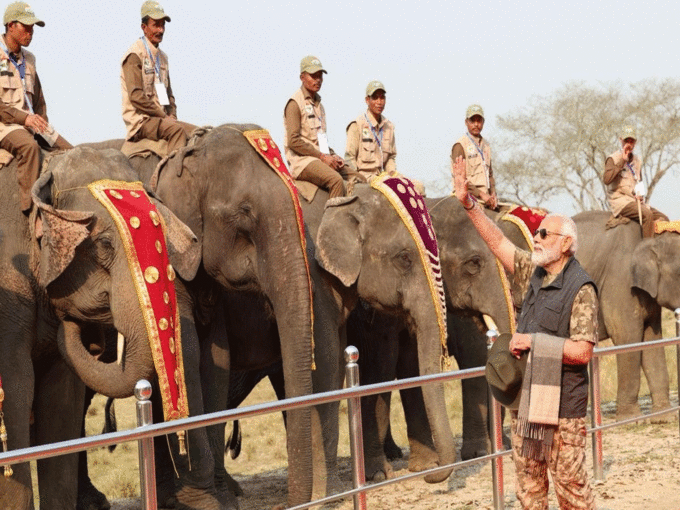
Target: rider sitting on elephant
(625, 188)
(305, 139)
(476, 154)
(149, 109)
(23, 112)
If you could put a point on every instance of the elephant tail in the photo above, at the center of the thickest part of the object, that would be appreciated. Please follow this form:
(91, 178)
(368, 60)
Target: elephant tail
(233, 446)
(110, 423)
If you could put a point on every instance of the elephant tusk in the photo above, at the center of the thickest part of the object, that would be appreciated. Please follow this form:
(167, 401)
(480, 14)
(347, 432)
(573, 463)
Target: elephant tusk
(121, 348)
(490, 323)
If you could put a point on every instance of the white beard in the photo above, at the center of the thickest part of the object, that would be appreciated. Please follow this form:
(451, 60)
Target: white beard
(544, 257)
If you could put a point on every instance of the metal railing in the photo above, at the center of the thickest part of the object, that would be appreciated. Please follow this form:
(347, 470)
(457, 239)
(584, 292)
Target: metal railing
(146, 430)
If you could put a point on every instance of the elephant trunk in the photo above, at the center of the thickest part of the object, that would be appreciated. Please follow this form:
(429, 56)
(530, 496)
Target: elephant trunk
(287, 285)
(111, 379)
(429, 360)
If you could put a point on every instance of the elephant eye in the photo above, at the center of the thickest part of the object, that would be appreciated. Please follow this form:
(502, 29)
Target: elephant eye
(104, 251)
(403, 260)
(473, 265)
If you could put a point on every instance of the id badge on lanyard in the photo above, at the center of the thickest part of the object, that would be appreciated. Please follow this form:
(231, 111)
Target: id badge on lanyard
(162, 93)
(323, 142)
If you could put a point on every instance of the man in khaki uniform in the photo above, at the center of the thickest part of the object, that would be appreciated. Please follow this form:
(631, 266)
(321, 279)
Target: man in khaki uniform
(305, 137)
(149, 109)
(24, 127)
(625, 188)
(371, 147)
(477, 154)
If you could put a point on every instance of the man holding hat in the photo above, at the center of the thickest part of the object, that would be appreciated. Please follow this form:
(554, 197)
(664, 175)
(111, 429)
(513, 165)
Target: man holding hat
(556, 332)
(24, 127)
(476, 153)
(626, 190)
(371, 148)
(149, 109)
(305, 137)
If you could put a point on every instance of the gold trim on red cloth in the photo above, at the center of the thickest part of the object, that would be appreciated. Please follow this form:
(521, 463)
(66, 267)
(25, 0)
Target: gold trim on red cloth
(262, 142)
(661, 226)
(142, 231)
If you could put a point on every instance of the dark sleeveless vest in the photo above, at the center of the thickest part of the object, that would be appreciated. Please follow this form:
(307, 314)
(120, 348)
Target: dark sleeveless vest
(548, 310)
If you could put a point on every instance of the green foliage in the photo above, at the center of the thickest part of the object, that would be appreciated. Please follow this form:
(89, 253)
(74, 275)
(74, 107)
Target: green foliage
(558, 144)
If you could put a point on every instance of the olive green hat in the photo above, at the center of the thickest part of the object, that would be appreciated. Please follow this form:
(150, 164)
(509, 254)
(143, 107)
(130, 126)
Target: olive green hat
(373, 86)
(504, 372)
(154, 10)
(23, 13)
(472, 110)
(310, 64)
(628, 131)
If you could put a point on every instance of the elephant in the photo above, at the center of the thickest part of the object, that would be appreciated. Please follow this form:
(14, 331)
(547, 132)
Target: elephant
(64, 275)
(360, 249)
(243, 216)
(635, 277)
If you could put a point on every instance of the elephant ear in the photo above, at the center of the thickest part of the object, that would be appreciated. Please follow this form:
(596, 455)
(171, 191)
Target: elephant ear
(645, 268)
(184, 249)
(62, 231)
(338, 241)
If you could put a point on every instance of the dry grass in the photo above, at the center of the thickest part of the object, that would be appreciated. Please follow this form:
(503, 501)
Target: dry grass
(264, 446)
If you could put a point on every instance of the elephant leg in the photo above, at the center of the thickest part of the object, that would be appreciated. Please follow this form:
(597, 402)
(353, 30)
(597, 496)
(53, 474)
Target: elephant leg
(422, 450)
(16, 492)
(58, 413)
(392, 449)
(89, 497)
(656, 371)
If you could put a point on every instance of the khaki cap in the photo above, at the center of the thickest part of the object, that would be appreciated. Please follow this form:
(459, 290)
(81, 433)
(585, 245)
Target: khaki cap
(504, 372)
(21, 12)
(472, 110)
(373, 86)
(310, 64)
(628, 131)
(154, 10)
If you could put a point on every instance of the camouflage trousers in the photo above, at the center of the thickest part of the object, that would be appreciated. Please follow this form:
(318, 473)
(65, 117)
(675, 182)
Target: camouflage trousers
(567, 466)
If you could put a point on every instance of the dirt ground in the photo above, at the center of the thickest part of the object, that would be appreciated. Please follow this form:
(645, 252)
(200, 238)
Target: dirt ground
(641, 468)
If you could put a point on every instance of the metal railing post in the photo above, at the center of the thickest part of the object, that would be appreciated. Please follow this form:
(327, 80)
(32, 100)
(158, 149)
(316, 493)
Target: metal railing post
(497, 438)
(596, 418)
(147, 468)
(356, 435)
(677, 354)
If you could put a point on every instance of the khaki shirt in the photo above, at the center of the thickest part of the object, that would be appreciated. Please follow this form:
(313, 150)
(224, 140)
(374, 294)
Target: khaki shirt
(620, 179)
(137, 81)
(13, 108)
(362, 151)
(478, 169)
(312, 121)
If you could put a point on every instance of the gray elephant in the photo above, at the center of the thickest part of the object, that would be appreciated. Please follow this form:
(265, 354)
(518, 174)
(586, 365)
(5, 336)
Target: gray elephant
(64, 270)
(243, 216)
(362, 250)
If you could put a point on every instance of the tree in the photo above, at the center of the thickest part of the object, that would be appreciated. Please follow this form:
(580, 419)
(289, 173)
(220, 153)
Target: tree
(558, 144)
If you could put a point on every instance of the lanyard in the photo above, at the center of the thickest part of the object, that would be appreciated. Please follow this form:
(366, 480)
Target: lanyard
(375, 135)
(632, 171)
(479, 149)
(22, 74)
(156, 61)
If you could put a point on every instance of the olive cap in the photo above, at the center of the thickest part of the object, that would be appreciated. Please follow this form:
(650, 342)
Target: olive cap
(472, 110)
(504, 372)
(154, 10)
(628, 131)
(23, 13)
(373, 86)
(310, 64)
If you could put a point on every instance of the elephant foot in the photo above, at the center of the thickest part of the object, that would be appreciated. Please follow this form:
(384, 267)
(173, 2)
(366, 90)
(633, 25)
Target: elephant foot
(421, 457)
(378, 469)
(474, 449)
(392, 450)
(189, 498)
(624, 411)
(225, 482)
(90, 498)
(664, 418)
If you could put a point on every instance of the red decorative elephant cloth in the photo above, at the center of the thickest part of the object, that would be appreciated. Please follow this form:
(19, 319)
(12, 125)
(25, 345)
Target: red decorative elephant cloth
(527, 219)
(262, 142)
(410, 206)
(667, 226)
(142, 230)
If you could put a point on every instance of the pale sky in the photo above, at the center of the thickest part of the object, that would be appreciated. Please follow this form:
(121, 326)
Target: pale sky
(239, 62)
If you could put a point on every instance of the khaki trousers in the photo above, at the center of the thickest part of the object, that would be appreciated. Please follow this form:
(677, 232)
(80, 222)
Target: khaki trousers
(26, 149)
(175, 132)
(649, 216)
(319, 173)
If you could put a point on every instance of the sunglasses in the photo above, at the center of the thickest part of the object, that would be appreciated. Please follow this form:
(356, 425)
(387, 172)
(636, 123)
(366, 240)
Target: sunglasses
(543, 233)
